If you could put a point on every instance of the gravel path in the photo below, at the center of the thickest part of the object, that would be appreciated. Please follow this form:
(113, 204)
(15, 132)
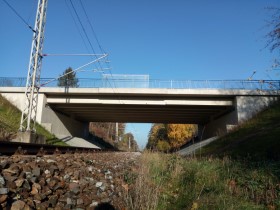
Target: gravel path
(70, 181)
(191, 149)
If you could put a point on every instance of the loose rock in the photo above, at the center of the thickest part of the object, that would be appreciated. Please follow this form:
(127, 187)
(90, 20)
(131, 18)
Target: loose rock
(18, 205)
(4, 191)
(2, 181)
(70, 181)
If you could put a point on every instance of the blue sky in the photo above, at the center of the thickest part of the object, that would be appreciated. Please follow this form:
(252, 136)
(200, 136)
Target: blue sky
(178, 39)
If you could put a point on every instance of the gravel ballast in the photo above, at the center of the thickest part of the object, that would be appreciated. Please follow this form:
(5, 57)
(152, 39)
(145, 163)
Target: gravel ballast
(68, 181)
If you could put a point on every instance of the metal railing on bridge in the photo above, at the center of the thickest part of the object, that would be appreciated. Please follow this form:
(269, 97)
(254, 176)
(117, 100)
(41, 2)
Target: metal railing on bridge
(169, 84)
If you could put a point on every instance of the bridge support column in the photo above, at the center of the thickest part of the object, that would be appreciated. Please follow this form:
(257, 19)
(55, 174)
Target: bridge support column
(200, 131)
(220, 126)
(245, 108)
(249, 106)
(62, 125)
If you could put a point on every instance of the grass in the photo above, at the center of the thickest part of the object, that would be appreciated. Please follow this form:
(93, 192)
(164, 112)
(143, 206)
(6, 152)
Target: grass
(10, 121)
(257, 139)
(167, 181)
(239, 171)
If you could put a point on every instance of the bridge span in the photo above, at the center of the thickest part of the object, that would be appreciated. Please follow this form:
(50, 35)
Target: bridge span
(140, 105)
(67, 111)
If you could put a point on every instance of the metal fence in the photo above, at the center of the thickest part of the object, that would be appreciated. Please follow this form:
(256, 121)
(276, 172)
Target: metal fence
(169, 84)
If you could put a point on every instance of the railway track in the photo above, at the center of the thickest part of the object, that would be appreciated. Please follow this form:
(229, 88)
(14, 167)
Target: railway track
(19, 148)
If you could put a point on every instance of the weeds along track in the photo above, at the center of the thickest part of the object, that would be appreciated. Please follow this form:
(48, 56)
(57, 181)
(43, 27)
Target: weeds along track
(19, 148)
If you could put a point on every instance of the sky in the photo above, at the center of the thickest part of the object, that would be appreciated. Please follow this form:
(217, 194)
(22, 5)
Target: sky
(165, 39)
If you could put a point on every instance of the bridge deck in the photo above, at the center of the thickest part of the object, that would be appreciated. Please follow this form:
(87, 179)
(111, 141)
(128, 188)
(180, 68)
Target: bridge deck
(142, 105)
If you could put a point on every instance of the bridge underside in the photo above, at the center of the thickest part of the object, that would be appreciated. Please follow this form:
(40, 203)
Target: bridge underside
(141, 106)
(142, 113)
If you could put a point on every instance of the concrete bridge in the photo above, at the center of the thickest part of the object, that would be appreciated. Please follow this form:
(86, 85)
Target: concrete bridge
(68, 111)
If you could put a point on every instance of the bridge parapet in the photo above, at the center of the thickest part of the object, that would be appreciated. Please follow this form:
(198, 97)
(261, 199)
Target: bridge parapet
(163, 84)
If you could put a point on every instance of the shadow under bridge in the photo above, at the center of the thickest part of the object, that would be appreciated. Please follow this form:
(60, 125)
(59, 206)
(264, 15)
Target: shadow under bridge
(140, 105)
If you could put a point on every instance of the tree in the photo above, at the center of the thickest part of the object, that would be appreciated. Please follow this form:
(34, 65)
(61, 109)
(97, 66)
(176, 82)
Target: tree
(128, 143)
(68, 79)
(157, 132)
(163, 146)
(106, 130)
(273, 36)
(179, 134)
(164, 137)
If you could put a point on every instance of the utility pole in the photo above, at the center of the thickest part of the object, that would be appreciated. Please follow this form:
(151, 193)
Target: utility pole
(34, 70)
(117, 132)
(129, 143)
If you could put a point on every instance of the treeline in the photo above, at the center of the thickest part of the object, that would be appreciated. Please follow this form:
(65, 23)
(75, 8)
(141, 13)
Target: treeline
(114, 134)
(166, 137)
(127, 143)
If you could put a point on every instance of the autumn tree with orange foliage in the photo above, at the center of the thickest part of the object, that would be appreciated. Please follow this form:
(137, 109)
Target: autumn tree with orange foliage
(157, 133)
(179, 134)
(164, 137)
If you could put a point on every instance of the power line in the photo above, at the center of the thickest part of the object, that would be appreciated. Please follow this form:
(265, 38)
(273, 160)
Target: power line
(66, 54)
(79, 19)
(17, 14)
(87, 37)
(95, 36)
(32, 10)
(91, 27)
(78, 29)
(75, 70)
(85, 33)
(94, 33)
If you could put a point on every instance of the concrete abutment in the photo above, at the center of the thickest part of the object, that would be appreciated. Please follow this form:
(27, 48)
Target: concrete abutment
(60, 125)
(245, 108)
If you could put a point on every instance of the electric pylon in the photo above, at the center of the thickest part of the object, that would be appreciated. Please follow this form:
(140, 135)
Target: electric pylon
(34, 70)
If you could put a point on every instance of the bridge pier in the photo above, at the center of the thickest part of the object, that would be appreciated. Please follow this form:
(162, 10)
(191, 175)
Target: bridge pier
(245, 107)
(60, 124)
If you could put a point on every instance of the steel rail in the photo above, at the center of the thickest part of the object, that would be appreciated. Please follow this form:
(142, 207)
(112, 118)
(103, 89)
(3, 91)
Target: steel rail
(18, 148)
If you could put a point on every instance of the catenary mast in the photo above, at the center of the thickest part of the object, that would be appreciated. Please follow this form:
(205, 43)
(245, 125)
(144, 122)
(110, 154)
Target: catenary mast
(34, 70)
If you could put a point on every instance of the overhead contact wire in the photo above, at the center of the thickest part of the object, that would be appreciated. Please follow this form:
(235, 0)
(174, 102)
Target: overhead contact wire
(78, 17)
(75, 22)
(17, 14)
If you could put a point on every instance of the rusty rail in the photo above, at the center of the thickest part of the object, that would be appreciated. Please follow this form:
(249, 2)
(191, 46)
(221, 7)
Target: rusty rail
(18, 148)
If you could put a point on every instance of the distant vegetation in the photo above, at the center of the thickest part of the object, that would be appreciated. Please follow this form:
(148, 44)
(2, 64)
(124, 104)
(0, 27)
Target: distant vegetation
(166, 137)
(128, 143)
(107, 132)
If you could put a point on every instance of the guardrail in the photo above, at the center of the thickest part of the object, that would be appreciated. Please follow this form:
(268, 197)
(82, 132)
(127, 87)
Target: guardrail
(169, 84)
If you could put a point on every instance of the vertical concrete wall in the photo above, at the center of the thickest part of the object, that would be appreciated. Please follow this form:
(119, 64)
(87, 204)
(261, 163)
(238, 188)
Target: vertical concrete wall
(221, 125)
(62, 125)
(249, 106)
(58, 124)
(17, 99)
(246, 107)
